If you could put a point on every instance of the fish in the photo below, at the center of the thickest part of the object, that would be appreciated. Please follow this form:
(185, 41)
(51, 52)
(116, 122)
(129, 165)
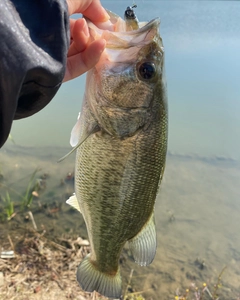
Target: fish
(121, 143)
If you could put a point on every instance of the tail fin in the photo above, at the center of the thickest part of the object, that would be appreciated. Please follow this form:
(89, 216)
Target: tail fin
(90, 279)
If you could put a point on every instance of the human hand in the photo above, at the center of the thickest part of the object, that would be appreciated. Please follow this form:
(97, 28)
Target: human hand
(83, 54)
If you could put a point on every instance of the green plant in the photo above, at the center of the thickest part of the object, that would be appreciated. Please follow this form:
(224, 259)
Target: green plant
(8, 206)
(1, 175)
(33, 185)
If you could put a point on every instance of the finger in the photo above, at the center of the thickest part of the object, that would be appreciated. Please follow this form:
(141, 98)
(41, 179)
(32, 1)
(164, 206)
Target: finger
(84, 61)
(79, 36)
(95, 12)
(72, 22)
(90, 8)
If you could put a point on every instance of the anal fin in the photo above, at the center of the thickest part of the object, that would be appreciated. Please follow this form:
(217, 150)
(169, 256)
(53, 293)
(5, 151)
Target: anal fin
(72, 201)
(143, 245)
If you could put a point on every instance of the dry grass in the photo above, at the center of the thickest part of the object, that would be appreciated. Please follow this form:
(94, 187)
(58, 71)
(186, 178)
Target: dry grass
(42, 268)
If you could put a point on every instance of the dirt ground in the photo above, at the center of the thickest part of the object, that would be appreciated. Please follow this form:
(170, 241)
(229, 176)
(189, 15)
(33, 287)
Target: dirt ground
(44, 268)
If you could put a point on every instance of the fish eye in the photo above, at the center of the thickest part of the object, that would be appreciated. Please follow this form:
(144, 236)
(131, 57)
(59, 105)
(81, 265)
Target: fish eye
(147, 70)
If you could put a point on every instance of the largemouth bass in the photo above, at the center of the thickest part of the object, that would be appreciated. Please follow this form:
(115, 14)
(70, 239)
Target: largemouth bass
(121, 136)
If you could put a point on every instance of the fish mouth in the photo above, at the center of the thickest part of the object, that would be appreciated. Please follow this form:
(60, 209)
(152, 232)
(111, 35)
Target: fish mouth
(116, 36)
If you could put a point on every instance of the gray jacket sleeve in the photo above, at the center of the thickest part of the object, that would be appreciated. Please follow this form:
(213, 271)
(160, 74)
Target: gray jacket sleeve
(34, 39)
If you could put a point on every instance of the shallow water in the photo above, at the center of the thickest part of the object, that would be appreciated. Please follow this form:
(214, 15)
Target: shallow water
(197, 218)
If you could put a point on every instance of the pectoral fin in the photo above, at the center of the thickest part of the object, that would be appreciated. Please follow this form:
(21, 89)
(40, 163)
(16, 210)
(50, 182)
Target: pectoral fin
(143, 245)
(82, 139)
(72, 201)
(85, 126)
(75, 133)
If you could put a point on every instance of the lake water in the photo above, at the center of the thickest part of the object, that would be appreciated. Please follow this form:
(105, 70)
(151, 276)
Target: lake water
(198, 207)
